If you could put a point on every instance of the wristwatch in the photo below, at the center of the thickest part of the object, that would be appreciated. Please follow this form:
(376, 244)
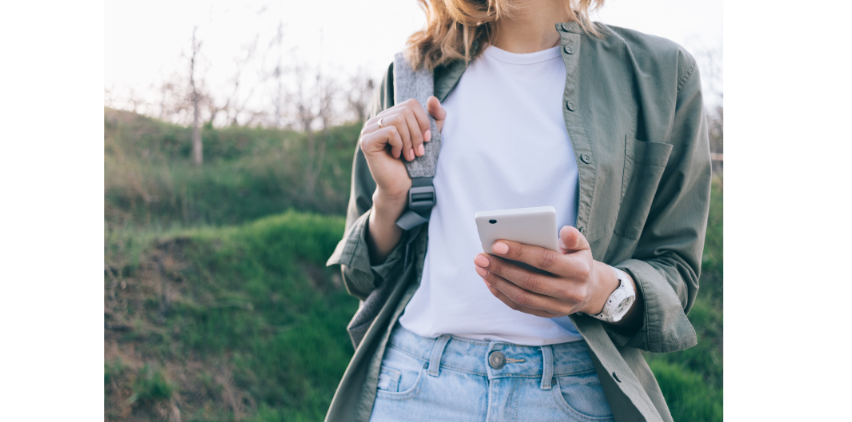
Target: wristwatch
(619, 301)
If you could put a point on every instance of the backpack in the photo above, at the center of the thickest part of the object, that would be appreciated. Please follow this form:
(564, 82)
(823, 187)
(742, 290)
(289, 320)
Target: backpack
(420, 85)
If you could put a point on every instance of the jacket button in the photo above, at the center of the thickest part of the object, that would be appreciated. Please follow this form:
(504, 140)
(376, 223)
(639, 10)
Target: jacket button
(569, 105)
(568, 50)
(582, 230)
(586, 158)
(614, 375)
(565, 27)
(497, 360)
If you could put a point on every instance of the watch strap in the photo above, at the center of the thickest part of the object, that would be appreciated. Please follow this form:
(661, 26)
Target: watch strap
(623, 291)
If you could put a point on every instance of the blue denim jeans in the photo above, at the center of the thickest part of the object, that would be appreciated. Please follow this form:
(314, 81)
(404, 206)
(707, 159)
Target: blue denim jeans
(456, 379)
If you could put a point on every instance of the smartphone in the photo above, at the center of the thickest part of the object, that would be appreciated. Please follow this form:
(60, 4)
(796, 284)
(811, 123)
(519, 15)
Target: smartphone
(530, 226)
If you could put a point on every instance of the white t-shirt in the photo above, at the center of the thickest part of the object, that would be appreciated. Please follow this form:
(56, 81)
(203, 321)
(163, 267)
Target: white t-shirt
(504, 145)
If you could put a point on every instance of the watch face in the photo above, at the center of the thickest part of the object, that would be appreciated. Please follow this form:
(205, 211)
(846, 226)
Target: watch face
(623, 305)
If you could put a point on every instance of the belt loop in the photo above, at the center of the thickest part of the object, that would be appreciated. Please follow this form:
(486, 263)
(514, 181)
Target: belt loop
(547, 367)
(437, 351)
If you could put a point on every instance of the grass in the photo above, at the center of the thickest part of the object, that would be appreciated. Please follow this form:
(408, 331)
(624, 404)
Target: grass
(247, 316)
(151, 386)
(248, 173)
(217, 303)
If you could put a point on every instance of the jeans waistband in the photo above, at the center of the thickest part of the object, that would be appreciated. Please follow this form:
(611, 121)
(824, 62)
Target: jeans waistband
(494, 359)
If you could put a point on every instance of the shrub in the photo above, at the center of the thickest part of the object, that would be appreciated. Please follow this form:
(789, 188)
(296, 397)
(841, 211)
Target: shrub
(151, 386)
(688, 396)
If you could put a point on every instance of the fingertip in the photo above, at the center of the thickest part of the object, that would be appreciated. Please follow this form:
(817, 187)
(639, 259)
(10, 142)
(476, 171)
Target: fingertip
(434, 103)
(500, 247)
(565, 234)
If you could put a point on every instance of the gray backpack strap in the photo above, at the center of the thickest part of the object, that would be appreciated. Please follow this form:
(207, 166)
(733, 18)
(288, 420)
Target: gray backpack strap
(420, 85)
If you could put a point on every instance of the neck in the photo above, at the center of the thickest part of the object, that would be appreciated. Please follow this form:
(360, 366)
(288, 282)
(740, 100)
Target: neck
(532, 28)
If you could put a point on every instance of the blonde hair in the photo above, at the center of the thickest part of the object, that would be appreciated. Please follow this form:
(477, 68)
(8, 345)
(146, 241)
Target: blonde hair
(454, 27)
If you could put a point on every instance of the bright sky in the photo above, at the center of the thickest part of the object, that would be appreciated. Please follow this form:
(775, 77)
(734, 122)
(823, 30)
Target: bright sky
(144, 40)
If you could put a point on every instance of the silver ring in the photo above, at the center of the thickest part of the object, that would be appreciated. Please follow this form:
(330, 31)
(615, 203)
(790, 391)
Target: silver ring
(380, 123)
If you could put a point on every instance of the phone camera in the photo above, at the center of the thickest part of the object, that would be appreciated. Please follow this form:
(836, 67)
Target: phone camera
(492, 221)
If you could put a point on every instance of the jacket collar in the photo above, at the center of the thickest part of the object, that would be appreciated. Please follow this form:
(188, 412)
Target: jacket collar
(569, 27)
(447, 76)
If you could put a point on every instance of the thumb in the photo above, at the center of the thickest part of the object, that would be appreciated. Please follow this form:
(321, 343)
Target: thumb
(571, 240)
(433, 107)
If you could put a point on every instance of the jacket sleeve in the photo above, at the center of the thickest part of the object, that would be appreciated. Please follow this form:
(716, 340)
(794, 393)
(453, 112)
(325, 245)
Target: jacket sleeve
(352, 253)
(667, 262)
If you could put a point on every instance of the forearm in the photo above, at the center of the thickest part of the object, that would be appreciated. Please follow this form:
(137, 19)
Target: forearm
(382, 232)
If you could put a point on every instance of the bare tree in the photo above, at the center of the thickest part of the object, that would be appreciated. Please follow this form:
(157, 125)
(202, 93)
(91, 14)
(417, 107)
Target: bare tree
(313, 99)
(172, 93)
(278, 74)
(134, 100)
(195, 98)
(360, 93)
(715, 131)
(303, 101)
(710, 62)
(234, 104)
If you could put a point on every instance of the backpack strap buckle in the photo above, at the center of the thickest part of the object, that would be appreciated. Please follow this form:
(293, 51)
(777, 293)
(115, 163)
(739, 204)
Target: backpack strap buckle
(421, 196)
(421, 199)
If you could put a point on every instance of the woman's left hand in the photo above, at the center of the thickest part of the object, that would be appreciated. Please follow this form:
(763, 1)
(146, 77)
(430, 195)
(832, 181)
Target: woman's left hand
(578, 283)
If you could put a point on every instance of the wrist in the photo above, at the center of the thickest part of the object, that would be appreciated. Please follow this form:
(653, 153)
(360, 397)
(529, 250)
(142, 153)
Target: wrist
(386, 210)
(391, 205)
(605, 281)
(383, 233)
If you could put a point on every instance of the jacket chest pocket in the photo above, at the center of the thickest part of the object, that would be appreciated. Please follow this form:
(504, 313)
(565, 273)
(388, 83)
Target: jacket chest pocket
(644, 163)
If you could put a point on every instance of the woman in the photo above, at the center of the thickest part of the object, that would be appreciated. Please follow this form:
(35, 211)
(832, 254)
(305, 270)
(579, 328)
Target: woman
(536, 105)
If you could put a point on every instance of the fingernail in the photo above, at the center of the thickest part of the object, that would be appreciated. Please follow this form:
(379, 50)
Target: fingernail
(481, 260)
(427, 136)
(411, 154)
(486, 283)
(500, 248)
(481, 271)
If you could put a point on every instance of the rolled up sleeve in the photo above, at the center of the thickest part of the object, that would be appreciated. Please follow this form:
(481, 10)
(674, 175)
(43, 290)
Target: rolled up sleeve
(667, 262)
(353, 255)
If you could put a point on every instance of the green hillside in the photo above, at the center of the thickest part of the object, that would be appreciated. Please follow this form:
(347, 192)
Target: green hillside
(248, 173)
(217, 304)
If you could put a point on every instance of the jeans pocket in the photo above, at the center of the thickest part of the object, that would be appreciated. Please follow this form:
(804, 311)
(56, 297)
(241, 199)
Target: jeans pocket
(581, 396)
(401, 375)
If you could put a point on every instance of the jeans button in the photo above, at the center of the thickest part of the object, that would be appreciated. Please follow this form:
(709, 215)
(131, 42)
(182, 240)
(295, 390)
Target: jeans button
(497, 360)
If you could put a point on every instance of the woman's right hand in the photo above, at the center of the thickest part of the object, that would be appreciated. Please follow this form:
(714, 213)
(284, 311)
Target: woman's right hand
(405, 127)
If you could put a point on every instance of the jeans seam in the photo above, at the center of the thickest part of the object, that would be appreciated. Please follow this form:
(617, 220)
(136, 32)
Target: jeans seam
(568, 374)
(407, 353)
(463, 371)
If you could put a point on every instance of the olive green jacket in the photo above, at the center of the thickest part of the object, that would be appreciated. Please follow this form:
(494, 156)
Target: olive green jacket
(634, 113)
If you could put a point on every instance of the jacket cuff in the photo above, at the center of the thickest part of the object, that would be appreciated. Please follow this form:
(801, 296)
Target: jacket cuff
(353, 255)
(665, 327)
